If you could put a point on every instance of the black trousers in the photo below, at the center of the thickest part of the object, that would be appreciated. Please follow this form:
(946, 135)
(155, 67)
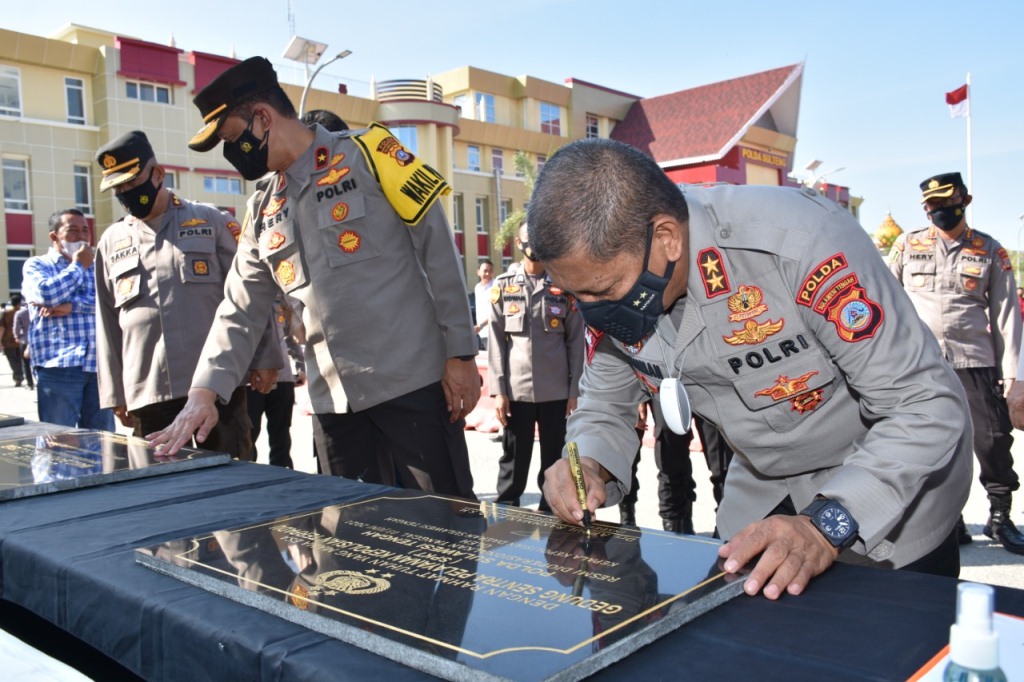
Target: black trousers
(517, 446)
(232, 434)
(717, 455)
(17, 364)
(406, 441)
(676, 487)
(277, 406)
(992, 430)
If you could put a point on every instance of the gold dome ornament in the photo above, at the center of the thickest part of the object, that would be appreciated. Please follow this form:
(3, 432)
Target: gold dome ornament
(887, 233)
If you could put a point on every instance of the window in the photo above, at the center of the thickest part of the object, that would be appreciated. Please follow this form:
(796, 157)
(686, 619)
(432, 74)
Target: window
(74, 88)
(457, 213)
(16, 184)
(148, 92)
(498, 161)
(485, 108)
(550, 119)
(461, 101)
(170, 179)
(592, 126)
(83, 188)
(10, 91)
(481, 215)
(407, 136)
(504, 211)
(15, 262)
(541, 160)
(220, 185)
(473, 157)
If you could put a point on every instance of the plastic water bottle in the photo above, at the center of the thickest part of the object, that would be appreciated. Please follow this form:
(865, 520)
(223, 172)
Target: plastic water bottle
(973, 643)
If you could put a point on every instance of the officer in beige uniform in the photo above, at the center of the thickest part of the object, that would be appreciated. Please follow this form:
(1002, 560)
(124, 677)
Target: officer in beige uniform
(961, 282)
(772, 308)
(159, 279)
(535, 358)
(349, 227)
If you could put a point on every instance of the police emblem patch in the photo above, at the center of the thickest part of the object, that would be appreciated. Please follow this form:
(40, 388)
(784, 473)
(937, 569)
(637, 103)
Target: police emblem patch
(746, 303)
(333, 176)
(855, 316)
(274, 205)
(275, 240)
(495, 294)
(285, 272)
(554, 323)
(235, 229)
(785, 387)
(124, 286)
(970, 283)
(349, 241)
(200, 267)
(821, 273)
(336, 159)
(512, 309)
(555, 291)
(340, 211)
(193, 222)
(754, 332)
(512, 289)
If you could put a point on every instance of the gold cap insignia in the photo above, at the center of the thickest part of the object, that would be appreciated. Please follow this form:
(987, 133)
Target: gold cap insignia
(109, 161)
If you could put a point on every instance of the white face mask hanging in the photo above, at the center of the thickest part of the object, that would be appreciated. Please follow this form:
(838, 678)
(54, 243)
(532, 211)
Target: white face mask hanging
(675, 405)
(672, 398)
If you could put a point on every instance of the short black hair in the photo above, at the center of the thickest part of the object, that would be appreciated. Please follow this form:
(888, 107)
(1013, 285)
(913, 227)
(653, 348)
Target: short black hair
(56, 216)
(328, 119)
(599, 195)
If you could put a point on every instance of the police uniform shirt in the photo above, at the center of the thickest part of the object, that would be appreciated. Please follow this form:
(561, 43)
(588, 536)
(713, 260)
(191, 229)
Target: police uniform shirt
(384, 303)
(535, 353)
(965, 292)
(795, 341)
(157, 288)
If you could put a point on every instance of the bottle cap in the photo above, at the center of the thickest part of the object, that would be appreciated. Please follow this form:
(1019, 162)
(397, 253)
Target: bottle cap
(973, 643)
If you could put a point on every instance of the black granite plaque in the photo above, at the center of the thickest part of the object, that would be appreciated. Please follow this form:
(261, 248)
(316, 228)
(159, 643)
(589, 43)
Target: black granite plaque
(11, 420)
(36, 465)
(462, 590)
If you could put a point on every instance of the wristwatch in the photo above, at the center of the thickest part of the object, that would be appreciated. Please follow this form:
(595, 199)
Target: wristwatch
(833, 521)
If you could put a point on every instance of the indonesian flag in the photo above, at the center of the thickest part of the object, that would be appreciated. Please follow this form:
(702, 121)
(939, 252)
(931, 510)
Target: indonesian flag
(959, 105)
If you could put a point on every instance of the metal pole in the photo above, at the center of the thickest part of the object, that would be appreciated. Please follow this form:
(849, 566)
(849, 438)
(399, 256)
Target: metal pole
(309, 81)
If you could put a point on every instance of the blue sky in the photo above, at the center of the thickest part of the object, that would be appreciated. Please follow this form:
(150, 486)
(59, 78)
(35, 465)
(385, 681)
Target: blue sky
(873, 89)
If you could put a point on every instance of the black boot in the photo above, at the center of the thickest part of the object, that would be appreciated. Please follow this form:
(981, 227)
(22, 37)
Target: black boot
(683, 524)
(627, 513)
(1001, 528)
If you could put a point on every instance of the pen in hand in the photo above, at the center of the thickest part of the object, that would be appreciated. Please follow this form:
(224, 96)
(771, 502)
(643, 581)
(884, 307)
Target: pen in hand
(581, 487)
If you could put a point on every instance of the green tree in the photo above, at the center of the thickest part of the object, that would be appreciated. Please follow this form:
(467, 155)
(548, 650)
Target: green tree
(525, 169)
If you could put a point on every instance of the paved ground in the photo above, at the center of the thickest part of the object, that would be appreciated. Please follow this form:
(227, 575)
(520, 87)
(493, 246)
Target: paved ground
(983, 560)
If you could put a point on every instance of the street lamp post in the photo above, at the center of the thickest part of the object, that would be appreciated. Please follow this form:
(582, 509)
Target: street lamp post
(309, 81)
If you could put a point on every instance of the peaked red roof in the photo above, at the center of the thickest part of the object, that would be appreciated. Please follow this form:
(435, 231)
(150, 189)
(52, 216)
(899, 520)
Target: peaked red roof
(705, 122)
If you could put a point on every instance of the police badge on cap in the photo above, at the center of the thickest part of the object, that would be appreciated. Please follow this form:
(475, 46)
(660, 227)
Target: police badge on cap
(941, 186)
(224, 92)
(122, 159)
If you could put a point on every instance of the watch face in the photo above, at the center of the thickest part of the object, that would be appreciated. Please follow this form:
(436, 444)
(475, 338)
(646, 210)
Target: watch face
(834, 522)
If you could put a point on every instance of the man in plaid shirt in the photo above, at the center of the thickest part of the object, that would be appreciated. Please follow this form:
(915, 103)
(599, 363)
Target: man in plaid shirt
(60, 289)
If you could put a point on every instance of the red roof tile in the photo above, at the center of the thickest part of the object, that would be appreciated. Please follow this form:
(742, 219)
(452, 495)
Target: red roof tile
(704, 122)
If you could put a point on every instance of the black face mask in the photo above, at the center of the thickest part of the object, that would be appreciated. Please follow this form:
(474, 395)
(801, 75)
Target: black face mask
(527, 251)
(248, 154)
(633, 316)
(139, 200)
(947, 217)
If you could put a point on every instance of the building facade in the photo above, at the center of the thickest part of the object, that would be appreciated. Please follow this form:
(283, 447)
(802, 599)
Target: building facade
(64, 96)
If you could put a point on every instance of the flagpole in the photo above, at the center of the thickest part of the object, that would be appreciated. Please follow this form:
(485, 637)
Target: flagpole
(970, 164)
